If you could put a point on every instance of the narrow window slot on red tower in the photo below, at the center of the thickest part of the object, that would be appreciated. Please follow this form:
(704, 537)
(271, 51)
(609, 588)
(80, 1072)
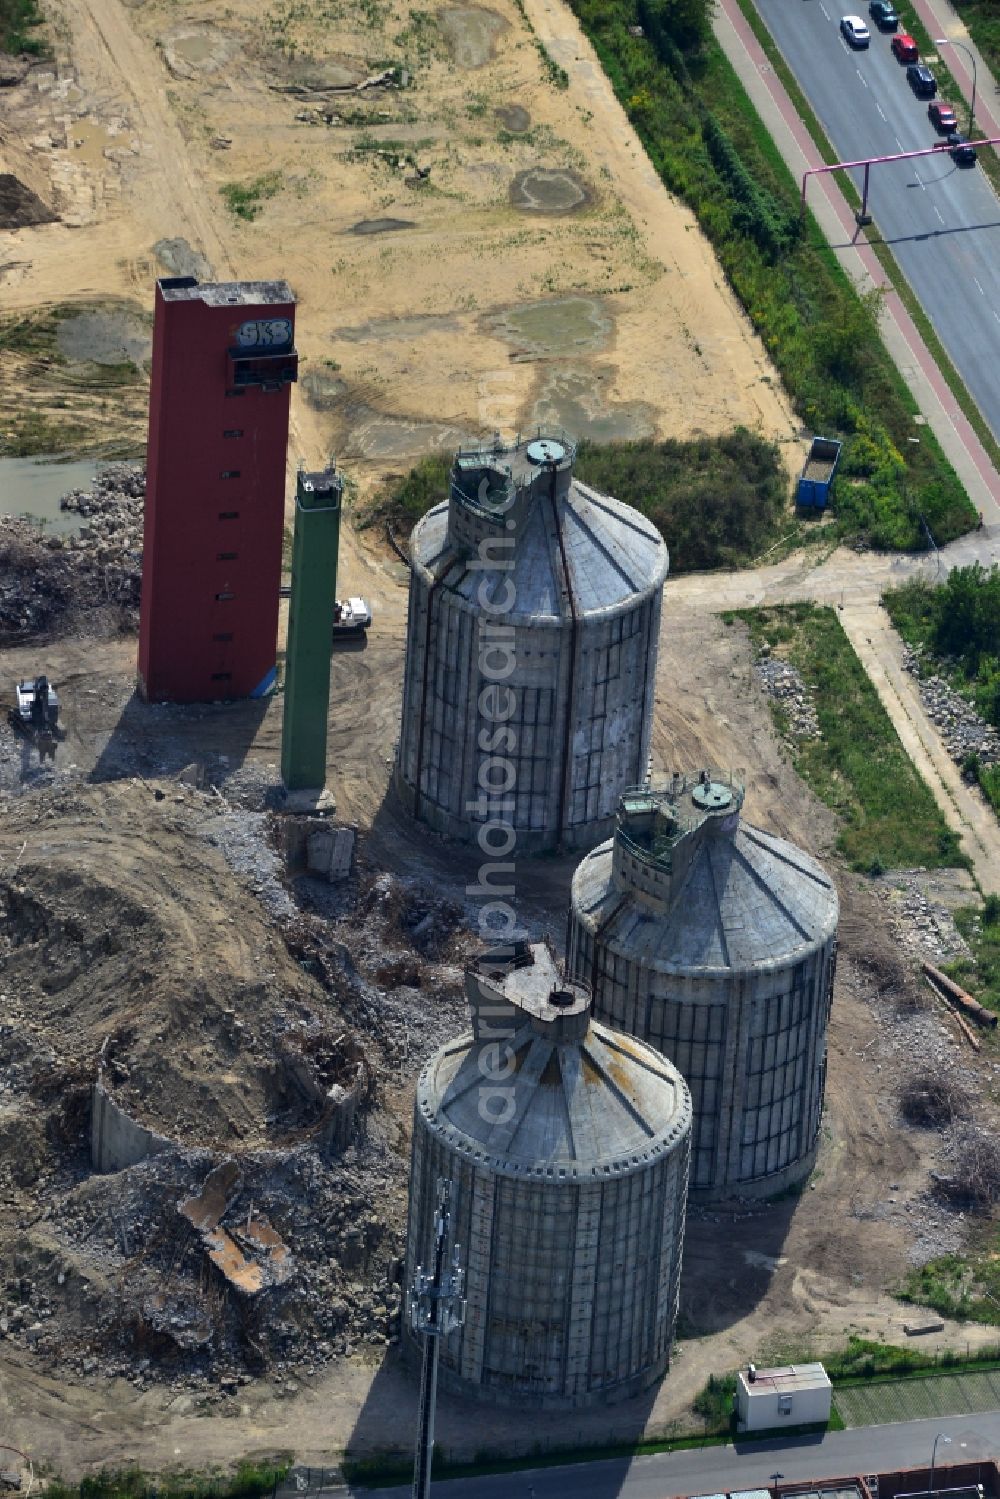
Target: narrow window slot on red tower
(223, 635)
(230, 473)
(223, 597)
(222, 676)
(225, 556)
(233, 432)
(229, 515)
(230, 394)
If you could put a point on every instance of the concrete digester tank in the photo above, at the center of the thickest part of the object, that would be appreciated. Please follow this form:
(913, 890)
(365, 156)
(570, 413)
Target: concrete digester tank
(531, 650)
(716, 943)
(567, 1147)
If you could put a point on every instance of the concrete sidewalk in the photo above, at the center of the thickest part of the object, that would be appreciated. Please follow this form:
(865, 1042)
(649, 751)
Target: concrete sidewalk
(836, 220)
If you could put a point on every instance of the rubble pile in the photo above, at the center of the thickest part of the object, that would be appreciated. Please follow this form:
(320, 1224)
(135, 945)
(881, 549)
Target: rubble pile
(964, 732)
(147, 953)
(53, 584)
(920, 923)
(784, 685)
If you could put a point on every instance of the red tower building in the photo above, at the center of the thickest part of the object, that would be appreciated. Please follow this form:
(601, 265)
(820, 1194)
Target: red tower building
(223, 362)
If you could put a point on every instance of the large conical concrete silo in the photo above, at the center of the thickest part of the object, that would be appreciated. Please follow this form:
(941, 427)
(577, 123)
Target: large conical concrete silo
(567, 1149)
(530, 651)
(716, 943)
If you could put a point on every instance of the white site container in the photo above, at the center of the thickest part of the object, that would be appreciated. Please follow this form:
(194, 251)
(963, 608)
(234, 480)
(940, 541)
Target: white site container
(796, 1395)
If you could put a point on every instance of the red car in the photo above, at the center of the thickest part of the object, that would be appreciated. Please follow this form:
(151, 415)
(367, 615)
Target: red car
(942, 116)
(904, 48)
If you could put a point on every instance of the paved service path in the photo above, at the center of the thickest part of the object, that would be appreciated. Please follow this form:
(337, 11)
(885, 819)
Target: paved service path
(716, 1470)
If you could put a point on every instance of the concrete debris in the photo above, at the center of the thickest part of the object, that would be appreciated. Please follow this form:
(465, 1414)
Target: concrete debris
(52, 584)
(270, 1264)
(919, 921)
(784, 685)
(962, 729)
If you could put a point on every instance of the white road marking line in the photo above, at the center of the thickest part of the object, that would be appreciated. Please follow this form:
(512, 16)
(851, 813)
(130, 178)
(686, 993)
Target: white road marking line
(862, 77)
(825, 11)
(922, 184)
(996, 315)
(899, 143)
(939, 213)
(976, 280)
(880, 109)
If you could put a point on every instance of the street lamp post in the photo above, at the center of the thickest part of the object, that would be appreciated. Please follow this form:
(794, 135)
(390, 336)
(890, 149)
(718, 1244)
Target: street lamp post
(939, 1438)
(947, 41)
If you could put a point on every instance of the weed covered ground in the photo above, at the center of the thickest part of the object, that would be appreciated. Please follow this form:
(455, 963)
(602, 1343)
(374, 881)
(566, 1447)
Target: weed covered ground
(856, 764)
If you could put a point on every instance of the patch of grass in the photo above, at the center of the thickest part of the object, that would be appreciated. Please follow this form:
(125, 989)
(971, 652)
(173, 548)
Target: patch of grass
(706, 141)
(889, 819)
(982, 20)
(50, 404)
(246, 199)
(250, 1481)
(980, 926)
(553, 72)
(21, 23)
(714, 1402)
(964, 1287)
(718, 501)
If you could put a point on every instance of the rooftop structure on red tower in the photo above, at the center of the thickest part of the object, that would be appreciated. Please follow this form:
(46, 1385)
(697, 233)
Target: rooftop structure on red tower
(223, 362)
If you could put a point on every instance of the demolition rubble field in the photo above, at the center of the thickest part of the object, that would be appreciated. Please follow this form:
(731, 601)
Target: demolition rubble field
(158, 940)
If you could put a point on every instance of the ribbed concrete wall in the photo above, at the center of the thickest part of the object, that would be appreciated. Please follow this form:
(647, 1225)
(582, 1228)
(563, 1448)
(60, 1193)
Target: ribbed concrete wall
(572, 1252)
(565, 698)
(731, 977)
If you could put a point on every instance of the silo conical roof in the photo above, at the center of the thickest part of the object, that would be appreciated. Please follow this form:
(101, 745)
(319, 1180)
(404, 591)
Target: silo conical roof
(748, 901)
(591, 1103)
(613, 556)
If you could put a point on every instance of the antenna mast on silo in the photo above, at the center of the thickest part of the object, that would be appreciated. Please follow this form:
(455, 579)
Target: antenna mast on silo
(437, 1308)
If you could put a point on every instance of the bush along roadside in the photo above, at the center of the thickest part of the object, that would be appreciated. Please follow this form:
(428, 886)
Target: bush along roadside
(708, 145)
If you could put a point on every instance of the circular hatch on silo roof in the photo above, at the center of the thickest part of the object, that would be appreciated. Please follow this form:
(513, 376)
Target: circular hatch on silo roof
(545, 450)
(712, 796)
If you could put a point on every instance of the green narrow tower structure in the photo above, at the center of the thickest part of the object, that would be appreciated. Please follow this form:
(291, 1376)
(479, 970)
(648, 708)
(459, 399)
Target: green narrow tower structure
(310, 624)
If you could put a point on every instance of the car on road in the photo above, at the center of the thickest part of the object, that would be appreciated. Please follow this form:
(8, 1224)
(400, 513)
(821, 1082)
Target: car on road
(942, 116)
(883, 14)
(921, 80)
(904, 48)
(961, 151)
(854, 31)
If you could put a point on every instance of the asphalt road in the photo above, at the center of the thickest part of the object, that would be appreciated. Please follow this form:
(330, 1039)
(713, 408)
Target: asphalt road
(942, 220)
(716, 1470)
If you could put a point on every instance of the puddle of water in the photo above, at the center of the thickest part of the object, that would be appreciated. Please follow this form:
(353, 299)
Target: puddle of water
(373, 435)
(28, 487)
(195, 49)
(575, 399)
(471, 33)
(514, 117)
(548, 190)
(381, 226)
(88, 141)
(561, 325)
(104, 338)
(398, 327)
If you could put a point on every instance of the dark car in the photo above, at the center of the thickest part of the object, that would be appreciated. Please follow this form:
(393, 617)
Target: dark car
(921, 80)
(904, 48)
(883, 14)
(942, 116)
(961, 151)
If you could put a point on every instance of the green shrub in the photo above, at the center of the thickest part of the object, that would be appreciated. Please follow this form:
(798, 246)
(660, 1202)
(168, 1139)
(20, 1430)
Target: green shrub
(20, 22)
